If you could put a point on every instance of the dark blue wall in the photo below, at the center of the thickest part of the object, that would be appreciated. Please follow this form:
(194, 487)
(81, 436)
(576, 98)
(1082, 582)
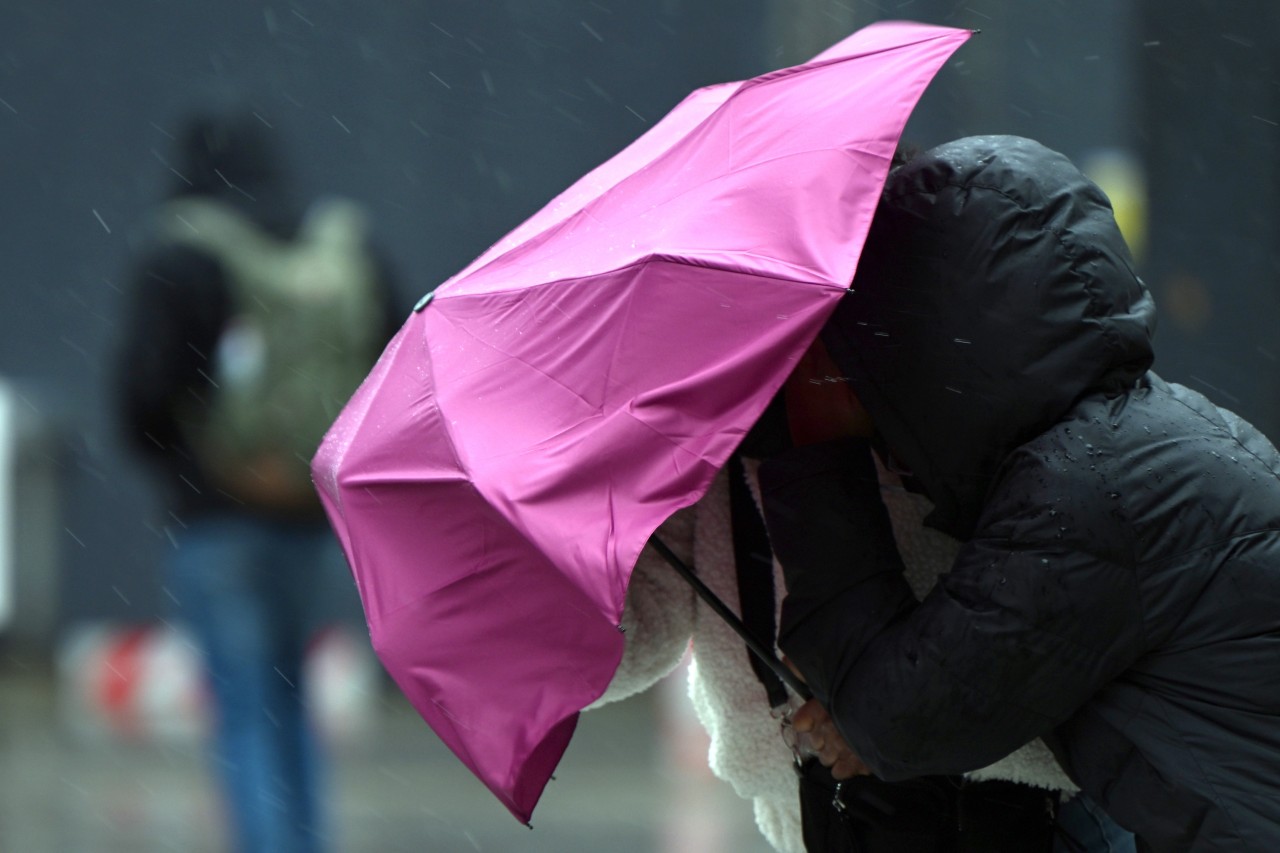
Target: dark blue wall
(453, 121)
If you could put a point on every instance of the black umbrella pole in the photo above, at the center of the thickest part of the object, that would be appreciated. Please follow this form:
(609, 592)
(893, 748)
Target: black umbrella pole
(722, 610)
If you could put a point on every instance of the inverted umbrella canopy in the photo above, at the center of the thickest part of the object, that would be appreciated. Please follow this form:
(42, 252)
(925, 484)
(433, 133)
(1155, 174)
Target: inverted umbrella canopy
(544, 410)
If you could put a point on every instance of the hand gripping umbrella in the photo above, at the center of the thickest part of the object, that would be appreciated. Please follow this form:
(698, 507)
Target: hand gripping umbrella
(544, 410)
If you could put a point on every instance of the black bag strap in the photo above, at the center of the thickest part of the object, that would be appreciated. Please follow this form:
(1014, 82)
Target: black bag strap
(764, 660)
(753, 559)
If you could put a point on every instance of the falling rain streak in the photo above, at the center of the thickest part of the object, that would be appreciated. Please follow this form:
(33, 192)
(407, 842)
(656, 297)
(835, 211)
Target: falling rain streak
(468, 122)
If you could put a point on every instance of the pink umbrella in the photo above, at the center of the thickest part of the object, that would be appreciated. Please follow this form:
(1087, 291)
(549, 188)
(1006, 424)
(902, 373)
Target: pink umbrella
(543, 411)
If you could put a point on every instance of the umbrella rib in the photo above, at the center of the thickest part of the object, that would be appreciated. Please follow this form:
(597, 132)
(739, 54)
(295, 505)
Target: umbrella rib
(818, 64)
(731, 619)
(588, 212)
(740, 87)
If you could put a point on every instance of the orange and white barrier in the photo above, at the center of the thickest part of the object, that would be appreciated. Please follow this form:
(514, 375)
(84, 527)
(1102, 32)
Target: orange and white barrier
(144, 683)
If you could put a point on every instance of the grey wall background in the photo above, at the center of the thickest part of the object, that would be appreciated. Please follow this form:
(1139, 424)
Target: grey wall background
(454, 120)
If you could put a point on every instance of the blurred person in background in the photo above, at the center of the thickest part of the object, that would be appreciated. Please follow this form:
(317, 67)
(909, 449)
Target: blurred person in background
(249, 324)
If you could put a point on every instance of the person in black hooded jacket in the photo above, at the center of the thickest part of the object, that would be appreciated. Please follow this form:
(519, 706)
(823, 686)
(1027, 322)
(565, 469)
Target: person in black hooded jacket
(1118, 590)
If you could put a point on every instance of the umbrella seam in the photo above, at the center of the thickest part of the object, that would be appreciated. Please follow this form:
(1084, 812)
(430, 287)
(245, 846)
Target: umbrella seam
(743, 85)
(663, 257)
(587, 211)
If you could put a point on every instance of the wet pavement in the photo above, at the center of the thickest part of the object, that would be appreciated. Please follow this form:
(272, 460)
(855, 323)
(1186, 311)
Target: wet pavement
(634, 779)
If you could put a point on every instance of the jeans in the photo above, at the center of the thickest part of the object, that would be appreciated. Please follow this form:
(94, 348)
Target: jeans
(249, 590)
(1090, 829)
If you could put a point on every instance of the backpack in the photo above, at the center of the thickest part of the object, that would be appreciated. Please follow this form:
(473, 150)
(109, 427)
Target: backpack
(306, 327)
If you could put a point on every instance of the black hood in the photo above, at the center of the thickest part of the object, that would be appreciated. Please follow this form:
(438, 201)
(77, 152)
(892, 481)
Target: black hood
(994, 291)
(231, 155)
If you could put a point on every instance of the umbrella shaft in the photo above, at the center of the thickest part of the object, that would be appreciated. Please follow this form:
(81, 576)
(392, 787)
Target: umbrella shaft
(722, 610)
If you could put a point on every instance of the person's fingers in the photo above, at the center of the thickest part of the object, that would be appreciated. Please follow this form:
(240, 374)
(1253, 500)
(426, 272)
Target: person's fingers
(809, 716)
(833, 743)
(828, 745)
(848, 766)
(845, 769)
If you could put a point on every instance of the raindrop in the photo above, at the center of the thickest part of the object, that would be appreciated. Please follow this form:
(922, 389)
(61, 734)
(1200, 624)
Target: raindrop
(1240, 40)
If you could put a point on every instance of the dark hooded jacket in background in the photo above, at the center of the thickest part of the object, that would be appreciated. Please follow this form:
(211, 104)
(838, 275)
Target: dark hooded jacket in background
(1118, 591)
(182, 300)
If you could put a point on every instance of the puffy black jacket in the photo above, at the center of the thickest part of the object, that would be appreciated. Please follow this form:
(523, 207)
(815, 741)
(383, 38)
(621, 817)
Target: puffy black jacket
(1118, 590)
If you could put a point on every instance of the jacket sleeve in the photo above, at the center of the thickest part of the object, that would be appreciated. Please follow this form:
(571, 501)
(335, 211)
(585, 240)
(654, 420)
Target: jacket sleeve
(1020, 633)
(176, 309)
